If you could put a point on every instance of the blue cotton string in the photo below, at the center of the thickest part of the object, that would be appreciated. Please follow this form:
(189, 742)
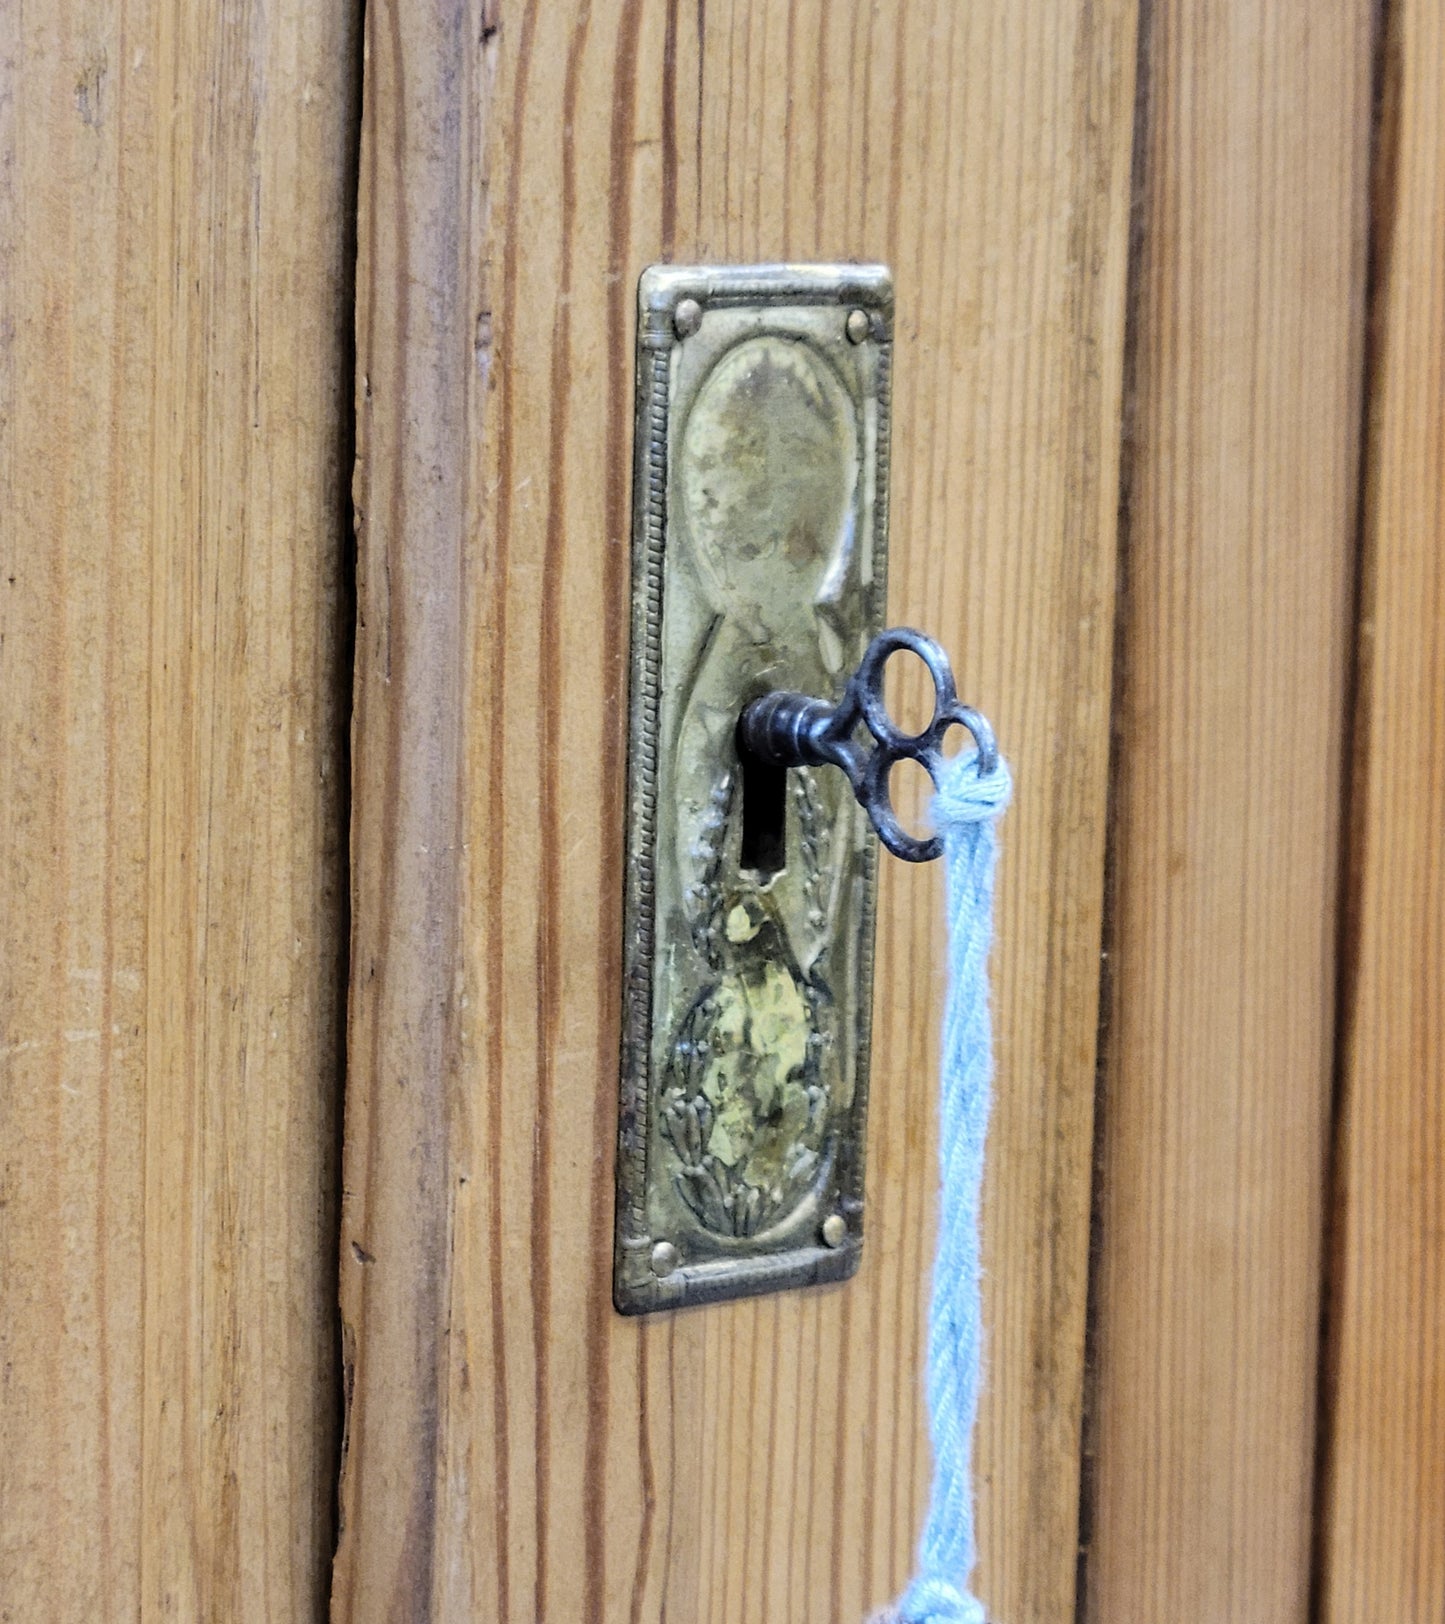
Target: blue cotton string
(965, 813)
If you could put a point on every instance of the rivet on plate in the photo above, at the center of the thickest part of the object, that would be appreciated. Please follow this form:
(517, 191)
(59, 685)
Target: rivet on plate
(664, 1259)
(687, 318)
(858, 325)
(835, 1229)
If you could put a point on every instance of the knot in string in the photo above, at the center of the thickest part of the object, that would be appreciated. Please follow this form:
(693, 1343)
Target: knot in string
(965, 811)
(966, 795)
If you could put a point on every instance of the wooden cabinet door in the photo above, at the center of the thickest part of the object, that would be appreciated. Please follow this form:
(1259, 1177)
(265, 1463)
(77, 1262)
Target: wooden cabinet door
(515, 1449)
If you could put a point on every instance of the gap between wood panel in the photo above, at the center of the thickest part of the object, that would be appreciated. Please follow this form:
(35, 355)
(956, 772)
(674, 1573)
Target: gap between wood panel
(1381, 204)
(348, 384)
(1088, 1419)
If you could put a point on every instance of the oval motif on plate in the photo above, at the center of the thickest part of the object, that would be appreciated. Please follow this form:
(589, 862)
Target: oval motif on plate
(768, 475)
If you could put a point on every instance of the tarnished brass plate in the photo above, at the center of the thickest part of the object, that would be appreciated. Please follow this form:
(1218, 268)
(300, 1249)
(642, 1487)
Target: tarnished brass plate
(759, 550)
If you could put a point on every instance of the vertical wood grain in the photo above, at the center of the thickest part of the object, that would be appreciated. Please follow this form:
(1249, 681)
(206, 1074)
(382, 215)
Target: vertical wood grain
(1383, 1509)
(515, 1450)
(175, 185)
(1236, 576)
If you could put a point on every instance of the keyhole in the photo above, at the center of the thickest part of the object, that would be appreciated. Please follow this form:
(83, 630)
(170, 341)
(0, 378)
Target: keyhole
(765, 807)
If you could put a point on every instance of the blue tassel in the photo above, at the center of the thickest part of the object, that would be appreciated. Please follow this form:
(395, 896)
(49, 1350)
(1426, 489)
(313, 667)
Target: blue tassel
(965, 812)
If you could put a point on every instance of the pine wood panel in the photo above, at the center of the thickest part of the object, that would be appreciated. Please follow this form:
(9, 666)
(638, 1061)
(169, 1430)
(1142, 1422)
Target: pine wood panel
(174, 314)
(515, 1450)
(1383, 1512)
(1234, 634)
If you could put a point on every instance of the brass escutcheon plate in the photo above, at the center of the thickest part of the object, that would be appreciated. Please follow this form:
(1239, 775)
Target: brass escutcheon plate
(760, 540)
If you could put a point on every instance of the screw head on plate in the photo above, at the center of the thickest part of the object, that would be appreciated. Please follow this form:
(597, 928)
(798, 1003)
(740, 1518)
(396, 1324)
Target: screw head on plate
(835, 1229)
(687, 318)
(665, 1259)
(859, 326)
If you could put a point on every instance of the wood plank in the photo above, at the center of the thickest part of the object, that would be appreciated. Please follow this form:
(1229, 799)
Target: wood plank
(516, 1451)
(174, 293)
(1383, 1509)
(1235, 607)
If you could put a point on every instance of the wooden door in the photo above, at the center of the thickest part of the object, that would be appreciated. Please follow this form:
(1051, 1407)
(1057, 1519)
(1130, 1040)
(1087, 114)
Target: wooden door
(1167, 438)
(544, 1457)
